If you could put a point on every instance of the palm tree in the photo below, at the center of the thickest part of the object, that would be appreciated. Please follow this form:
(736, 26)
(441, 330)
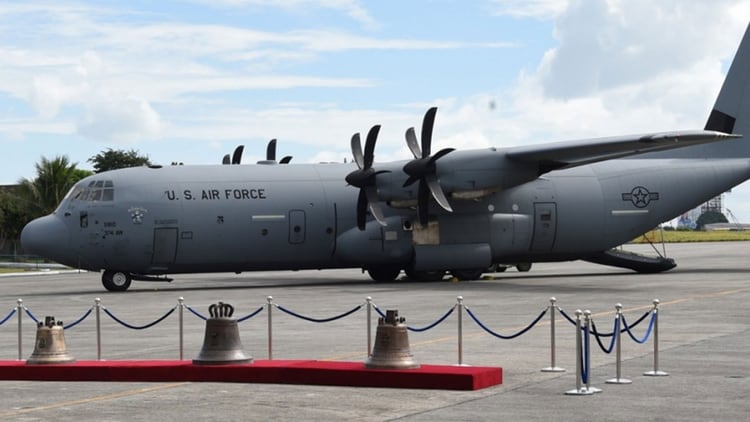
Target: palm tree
(54, 178)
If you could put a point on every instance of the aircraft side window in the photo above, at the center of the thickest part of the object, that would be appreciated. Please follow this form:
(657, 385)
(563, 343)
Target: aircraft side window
(95, 195)
(108, 195)
(99, 184)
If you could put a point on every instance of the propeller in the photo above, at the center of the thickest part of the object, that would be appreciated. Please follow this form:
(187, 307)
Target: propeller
(237, 156)
(423, 168)
(364, 178)
(226, 159)
(271, 153)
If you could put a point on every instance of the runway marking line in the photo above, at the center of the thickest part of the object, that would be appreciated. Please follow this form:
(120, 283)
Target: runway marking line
(105, 397)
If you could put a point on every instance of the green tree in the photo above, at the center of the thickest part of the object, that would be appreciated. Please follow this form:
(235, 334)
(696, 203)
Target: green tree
(118, 159)
(13, 216)
(710, 217)
(54, 178)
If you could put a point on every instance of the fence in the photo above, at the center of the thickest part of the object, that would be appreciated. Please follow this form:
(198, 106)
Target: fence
(585, 329)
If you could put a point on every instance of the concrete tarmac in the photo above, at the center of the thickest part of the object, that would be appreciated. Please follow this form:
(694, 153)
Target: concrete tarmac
(704, 338)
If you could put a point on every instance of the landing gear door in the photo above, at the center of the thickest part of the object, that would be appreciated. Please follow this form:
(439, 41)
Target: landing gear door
(545, 226)
(165, 246)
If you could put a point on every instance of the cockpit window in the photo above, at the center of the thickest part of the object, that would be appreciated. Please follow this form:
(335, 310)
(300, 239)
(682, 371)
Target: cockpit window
(97, 190)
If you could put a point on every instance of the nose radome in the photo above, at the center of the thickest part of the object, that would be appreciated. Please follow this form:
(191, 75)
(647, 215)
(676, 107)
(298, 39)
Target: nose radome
(47, 237)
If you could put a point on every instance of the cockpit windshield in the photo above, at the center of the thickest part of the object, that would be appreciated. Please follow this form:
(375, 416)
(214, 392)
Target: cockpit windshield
(93, 191)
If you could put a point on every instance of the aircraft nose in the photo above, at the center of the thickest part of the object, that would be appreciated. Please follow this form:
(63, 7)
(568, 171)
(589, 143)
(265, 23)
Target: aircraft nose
(47, 237)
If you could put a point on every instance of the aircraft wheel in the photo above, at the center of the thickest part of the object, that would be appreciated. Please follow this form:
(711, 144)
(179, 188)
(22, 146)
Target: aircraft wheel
(523, 267)
(384, 273)
(467, 274)
(435, 275)
(116, 281)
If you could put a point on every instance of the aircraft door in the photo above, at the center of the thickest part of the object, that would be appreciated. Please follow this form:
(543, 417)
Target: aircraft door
(545, 226)
(165, 246)
(296, 226)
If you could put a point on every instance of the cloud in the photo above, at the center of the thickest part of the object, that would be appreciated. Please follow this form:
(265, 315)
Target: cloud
(541, 9)
(120, 120)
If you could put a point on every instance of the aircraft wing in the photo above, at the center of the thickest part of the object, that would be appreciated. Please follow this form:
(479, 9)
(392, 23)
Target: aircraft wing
(558, 155)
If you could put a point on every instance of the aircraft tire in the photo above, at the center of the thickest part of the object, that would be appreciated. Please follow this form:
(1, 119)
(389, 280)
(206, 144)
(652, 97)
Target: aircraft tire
(523, 267)
(467, 274)
(384, 273)
(435, 275)
(116, 281)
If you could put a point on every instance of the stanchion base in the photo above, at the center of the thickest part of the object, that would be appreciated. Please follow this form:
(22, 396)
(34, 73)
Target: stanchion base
(583, 391)
(553, 369)
(619, 381)
(655, 374)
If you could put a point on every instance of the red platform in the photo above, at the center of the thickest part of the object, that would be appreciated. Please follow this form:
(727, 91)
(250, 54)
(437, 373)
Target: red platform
(311, 372)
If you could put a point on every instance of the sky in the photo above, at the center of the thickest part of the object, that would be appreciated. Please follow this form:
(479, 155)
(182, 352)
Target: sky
(189, 80)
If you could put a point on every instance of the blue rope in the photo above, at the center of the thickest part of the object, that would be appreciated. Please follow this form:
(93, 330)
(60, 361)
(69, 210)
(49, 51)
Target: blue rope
(12, 312)
(382, 315)
(616, 329)
(345, 314)
(648, 330)
(434, 324)
(79, 320)
(585, 357)
(419, 330)
(33, 318)
(512, 336)
(196, 313)
(566, 316)
(256, 312)
(142, 327)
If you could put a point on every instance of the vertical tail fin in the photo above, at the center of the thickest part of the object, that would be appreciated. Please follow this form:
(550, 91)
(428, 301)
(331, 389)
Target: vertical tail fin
(731, 112)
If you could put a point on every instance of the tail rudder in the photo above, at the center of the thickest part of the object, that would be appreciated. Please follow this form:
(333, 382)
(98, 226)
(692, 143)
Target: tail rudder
(730, 114)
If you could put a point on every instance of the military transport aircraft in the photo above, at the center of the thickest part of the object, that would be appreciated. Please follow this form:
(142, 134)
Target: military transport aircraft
(447, 211)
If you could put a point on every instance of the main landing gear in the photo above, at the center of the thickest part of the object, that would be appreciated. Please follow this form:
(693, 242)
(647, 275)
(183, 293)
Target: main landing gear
(116, 281)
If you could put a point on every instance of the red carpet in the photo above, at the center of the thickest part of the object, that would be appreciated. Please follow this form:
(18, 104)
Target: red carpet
(311, 372)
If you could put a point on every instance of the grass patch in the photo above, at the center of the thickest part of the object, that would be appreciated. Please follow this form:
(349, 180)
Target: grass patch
(674, 236)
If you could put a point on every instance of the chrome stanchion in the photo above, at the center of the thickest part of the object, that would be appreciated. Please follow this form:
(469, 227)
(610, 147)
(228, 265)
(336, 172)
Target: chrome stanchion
(19, 314)
(181, 305)
(269, 299)
(618, 349)
(369, 326)
(460, 305)
(98, 306)
(656, 372)
(579, 390)
(587, 351)
(552, 367)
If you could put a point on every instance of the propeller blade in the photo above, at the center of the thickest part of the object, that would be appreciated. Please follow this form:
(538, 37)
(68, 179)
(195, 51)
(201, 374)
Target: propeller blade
(286, 159)
(226, 160)
(371, 193)
(357, 151)
(361, 209)
(423, 201)
(440, 154)
(427, 124)
(437, 192)
(271, 150)
(372, 136)
(412, 143)
(237, 156)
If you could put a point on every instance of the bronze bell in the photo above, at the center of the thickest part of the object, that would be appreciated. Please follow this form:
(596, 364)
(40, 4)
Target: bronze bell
(391, 350)
(221, 343)
(50, 343)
